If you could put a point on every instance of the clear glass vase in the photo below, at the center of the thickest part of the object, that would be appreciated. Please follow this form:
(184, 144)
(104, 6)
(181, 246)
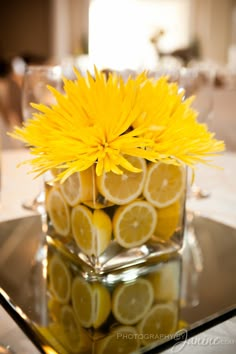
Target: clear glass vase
(115, 221)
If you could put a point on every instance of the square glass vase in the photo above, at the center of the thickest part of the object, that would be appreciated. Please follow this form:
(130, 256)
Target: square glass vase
(114, 221)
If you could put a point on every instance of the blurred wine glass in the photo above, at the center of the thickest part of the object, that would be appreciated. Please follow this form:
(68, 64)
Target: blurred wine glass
(34, 90)
(199, 81)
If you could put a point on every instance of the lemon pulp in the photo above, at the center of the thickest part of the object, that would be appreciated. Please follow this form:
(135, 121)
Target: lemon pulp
(160, 321)
(168, 220)
(79, 187)
(134, 224)
(59, 212)
(60, 279)
(91, 230)
(164, 184)
(122, 189)
(117, 343)
(130, 302)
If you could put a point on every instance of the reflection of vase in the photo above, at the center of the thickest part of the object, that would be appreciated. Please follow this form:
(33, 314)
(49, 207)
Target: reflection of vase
(113, 221)
(121, 311)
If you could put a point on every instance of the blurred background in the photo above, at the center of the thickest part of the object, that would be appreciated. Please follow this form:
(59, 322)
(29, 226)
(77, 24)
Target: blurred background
(116, 35)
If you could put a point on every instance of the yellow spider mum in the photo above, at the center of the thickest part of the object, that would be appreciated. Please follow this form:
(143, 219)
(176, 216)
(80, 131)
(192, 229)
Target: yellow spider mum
(99, 121)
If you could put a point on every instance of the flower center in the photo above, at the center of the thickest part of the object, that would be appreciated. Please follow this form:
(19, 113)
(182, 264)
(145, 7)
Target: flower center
(103, 147)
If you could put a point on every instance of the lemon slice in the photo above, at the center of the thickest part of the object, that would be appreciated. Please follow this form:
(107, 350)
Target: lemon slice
(79, 187)
(54, 309)
(58, 212)
(52, 334)
(82, 228)
(98, 205)
(68, 320)
(164, 184)
(102, 304)
(122, 189)
(130, 302)
(134, 223)
(60, 279)
(168, 220)
(91, 303)
(102, 231)
(91, 231)
(123, 339)
(160, 321)
(82, 301)
(166, 282)
(76, 339)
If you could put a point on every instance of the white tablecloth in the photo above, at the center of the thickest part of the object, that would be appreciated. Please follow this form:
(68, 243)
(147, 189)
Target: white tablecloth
(221, 184)
(17, 185)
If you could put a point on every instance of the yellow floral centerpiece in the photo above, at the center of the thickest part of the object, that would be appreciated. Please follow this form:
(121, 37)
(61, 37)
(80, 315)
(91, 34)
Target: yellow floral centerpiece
(117, 152)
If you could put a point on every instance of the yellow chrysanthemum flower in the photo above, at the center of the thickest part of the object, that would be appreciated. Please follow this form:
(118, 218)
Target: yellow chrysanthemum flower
(173, 126)
(99, 121)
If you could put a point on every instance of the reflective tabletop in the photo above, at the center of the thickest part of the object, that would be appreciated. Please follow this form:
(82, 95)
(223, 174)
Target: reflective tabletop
(208, 286)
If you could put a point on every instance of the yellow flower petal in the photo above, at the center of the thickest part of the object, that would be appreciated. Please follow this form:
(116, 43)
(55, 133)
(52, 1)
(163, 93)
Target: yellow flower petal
(99, 121)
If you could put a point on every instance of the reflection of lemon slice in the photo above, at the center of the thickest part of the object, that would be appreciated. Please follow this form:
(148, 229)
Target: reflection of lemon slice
(102, 304)
(102, 231)
(60, 279)
(130, 302)
(82, 301)
(168, 220)
(82, 228)
(160, 321)
(124, 339)
(58, 212)
(91, 303)
(52, 335)
(122, 189)
(164, 184)
(166, 282)
(54, 309)
(76, 339)
(91, 231)
(134, 223)
(182, 325)
(78, 187)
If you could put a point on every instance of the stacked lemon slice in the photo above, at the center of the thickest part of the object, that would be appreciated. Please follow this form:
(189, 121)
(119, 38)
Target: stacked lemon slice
(131, 208)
